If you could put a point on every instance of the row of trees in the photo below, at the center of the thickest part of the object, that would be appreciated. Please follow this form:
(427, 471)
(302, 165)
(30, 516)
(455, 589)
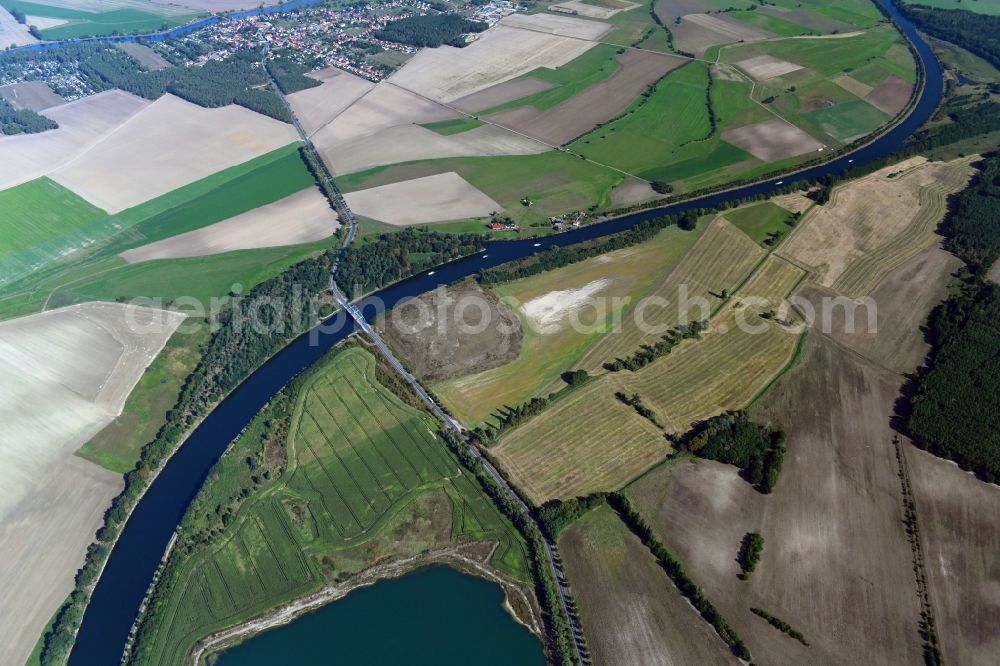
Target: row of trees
(556, 515)
(979, 33)
(780, 625)
(376, 262)
(431, 30)
(635, 402)
(672, 566)
(732, 438)
(560, 639)
(649, 353)
(24, 121)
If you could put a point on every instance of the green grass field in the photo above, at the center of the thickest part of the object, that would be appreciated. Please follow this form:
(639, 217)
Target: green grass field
(850, 120)
(456, 126)
(40, 221)
(554, 181)
(118, 446)
(594, 66)
(633, 273)
(990, 7)
(759, 221)
(859, 13)
(97, 24)
(359, 479)
(770, 23)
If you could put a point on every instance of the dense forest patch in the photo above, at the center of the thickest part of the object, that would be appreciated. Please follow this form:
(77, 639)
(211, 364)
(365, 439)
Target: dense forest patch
(734, 439)
(433, 30)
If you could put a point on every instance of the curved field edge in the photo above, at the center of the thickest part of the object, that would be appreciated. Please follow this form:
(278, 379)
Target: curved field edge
(304, 549)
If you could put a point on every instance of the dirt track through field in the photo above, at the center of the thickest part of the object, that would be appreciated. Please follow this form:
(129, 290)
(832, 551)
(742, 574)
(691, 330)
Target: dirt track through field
(597, 104)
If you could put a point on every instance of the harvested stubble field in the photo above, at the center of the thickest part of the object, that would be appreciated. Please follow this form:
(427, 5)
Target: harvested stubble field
(876, 223)
(500, 54)
(563, 26)
(587, 441)
(725, 370)
(596, 104)
(315, 107)
(304, 217)
(631, 611)
(34, 95)
(721, 259)
(696, 33)
(82, 124)
(364, 481)
(501, 93)
(171, 143)
(415, 328)
(85, 359)
(764, 67)
(630, 273)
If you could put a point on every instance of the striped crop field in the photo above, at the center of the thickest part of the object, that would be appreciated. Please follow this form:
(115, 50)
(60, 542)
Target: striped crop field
(328, 480)
(771, 283)
(721, 260)
(585, 442)
(863, 274)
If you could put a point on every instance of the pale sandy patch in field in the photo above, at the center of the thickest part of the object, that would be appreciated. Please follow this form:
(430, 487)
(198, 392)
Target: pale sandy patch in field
(550, 312)
(500, 54)
(564, 26)
(404, 143)
(81, 124)
(764, 67)
(65, 374)
(508, 91)
(891, 95)
(445, 196)
(594, 11)
(170, 144)
(303, 217)
(13, 33)
(868, 213)
(34, 95)
(44, 22)
(772, 140)
(633, 191)
(317, 106)
(852, 85)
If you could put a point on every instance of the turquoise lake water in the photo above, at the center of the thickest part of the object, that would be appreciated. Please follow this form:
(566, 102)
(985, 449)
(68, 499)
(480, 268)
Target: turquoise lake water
(432, 616)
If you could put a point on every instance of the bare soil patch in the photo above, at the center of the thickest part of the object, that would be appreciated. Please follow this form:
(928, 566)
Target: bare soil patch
(500, 54)
(852, 86)
(772, 140)
(169, 144)
(438, 334)
(764, 67)
(67, 373)
(508, 91)
(34, 95)
(315, 107)
(631, 612)
(891, 95)
(445, 196)
(564, 26)
(836, 563)
(13, 33)
(961, 541)
(303, 217)
(633, 191)
(147, 57)
(82, 123)
(604, 10)
(595, 105)
(697, 32)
